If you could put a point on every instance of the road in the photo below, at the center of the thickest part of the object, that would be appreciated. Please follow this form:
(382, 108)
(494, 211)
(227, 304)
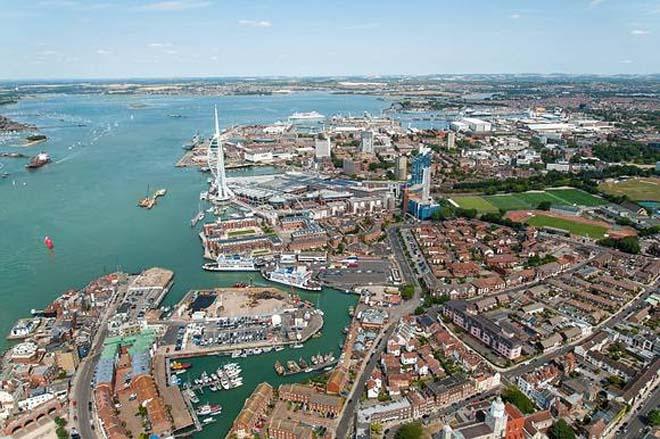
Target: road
(81, 389)
(637, 421)
(350, 408)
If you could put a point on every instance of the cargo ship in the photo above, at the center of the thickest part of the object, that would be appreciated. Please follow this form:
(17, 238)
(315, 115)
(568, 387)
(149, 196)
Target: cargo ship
(296, 276)
(232, 263)
(38, 161)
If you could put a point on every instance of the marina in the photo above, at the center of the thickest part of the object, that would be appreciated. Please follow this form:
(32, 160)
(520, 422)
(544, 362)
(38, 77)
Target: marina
(316, 363)
(144, 240)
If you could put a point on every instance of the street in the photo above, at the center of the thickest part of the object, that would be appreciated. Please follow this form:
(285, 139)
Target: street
(349, 410)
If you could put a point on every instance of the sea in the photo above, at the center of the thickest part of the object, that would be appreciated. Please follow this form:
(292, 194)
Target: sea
(108, 151)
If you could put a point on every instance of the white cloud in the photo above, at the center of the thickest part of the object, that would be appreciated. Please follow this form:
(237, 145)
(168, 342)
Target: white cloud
(175, 5)
(515, 16)
(594, 3)
(104, 52)
(255, 23)
(639, 32)
(626, 61)
(171, 52)
(48, 53)
(160, 45)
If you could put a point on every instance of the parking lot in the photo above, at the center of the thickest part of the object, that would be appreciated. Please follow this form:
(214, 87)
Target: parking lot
(356, 273)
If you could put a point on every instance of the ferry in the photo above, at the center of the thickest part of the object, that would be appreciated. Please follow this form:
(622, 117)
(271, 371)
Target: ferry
(232, 263)
(312, 115)
(296, 276)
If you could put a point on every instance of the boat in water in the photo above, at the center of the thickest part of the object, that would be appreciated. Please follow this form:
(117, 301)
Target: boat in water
(175, 365)
(232, 263)
(312, 115)
(296, 276)
(38, 161)
(208, 420)
(197, 218)
(147, 202)
(195, 141)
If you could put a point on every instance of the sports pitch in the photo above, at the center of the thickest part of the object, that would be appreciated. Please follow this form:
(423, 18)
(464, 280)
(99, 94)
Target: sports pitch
(528, 200)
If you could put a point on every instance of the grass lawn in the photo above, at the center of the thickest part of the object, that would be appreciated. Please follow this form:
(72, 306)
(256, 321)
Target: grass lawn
(528, 200)
(576, 196)
(533, 199)
(638, 189)
(576, 228)
(235, 233)
(507, 202)
(474, 202)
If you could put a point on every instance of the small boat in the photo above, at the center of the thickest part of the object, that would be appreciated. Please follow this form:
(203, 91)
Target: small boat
(38, 161)
(197, 218)
(208, 420)
(298, 346)
(279, 348)
(49, 243)
(175, 365)
(160, 193)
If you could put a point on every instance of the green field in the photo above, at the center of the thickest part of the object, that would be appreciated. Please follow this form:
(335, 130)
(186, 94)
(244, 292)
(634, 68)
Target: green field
(576, 228)
(576, 196)
(527, 200)
(637, 189)
(475, 202)
(236, 233)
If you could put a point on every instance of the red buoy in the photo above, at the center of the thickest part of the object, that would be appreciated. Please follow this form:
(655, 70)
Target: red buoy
(49, 243)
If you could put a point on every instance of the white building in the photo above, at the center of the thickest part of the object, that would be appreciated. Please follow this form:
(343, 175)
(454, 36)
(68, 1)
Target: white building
(259, 156)
(477, 125)
(367, 145)
(322, 147)
(451, 140)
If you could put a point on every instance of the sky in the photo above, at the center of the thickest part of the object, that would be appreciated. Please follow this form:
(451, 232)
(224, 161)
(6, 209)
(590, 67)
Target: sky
(62, 39)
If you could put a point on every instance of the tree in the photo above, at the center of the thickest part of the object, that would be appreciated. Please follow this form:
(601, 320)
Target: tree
(654, 417)
(60, 431)
(419, 310)
(544, 205)
(629, 244)
(407, 292)
(376, 428)
(412, 430)
(514, 396)
(561, 430)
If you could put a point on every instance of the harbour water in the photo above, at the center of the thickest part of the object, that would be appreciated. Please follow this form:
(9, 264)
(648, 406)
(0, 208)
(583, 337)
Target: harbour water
(107, 151)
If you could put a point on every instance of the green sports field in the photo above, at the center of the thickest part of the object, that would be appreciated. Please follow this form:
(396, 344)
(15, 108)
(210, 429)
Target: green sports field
(527, 200)
(576, 228)
(637, 189)
(475, 202)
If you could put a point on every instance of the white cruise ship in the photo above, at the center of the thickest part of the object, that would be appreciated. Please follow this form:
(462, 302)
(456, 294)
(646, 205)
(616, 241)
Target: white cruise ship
(313, 115)
(232, 263)
(297, 276)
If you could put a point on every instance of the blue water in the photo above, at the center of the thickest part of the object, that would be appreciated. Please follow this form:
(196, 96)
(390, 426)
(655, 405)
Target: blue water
(86, 201)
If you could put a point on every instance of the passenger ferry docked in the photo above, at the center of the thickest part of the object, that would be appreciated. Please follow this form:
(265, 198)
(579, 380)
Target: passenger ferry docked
(296, 276)
(233, 263)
